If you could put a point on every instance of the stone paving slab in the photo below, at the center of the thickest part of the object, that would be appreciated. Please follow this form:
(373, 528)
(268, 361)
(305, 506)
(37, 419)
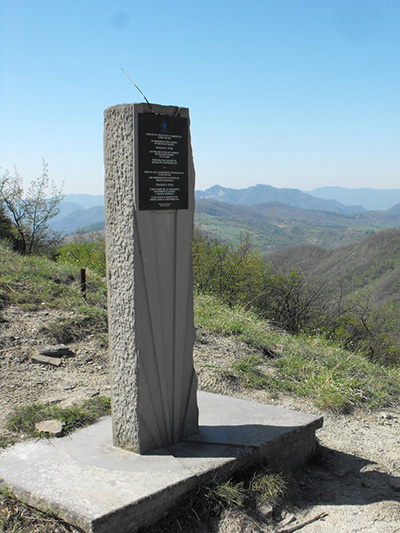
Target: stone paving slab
(99, 488)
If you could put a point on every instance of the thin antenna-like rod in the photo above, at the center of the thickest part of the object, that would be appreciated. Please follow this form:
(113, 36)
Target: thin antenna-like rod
(131, 80)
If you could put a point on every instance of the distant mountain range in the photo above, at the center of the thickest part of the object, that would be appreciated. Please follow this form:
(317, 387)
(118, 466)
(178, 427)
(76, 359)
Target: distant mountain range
(274, 217)
(259, 194)
(84, 200)
(78, 219)
(79, 211)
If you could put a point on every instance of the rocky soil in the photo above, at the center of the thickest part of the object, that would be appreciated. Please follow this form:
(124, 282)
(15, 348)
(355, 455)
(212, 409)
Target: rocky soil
(354, 478)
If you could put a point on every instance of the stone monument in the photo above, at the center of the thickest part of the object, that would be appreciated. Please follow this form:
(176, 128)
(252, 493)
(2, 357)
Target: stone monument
(149, 203)
(149, 220)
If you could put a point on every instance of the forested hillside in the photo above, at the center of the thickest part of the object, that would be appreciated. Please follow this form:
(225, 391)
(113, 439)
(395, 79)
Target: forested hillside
(351, 295)
(373, 264)
(274, 225)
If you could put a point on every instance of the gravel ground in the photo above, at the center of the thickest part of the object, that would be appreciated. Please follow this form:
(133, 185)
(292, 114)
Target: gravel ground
(354, 479)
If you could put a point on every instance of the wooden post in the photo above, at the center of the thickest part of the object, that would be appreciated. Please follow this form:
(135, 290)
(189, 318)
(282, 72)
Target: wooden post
(83, 282)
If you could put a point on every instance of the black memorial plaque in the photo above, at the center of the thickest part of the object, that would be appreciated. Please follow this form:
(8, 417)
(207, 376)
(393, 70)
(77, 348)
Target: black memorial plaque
(163, 162)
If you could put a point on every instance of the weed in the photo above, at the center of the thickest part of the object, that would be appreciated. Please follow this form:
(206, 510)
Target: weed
(5, 492)
(244, 365)
(6, 440)
(241, 492)
(222, 495)
(266, 487)
(91, 254)
(214, 315)
(250, 375)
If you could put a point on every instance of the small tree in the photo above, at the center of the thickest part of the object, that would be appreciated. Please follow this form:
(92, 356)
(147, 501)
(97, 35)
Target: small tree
(290, 301)
(30, 213)
(359, 324)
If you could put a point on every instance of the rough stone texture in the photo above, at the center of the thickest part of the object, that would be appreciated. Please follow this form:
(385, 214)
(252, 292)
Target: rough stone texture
(150, 298)
(99, 488)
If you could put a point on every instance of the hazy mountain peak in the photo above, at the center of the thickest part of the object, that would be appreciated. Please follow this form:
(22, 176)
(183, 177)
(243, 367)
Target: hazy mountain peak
(260, 193)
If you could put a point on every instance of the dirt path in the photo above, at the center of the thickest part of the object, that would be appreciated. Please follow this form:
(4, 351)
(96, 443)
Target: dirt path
(355, 477)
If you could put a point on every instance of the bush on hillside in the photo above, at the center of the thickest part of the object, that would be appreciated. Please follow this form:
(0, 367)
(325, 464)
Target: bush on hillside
(234, 275)
(290, 301)
(241, 276)
(89, 254)
(362, 326)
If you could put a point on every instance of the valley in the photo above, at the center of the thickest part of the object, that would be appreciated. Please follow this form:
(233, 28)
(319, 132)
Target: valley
(274, 218)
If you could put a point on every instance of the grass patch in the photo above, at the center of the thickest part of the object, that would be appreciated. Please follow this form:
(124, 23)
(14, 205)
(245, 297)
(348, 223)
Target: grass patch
(71, 329)
(222, 495)
(335, 378)
(307, 366)
(22, 421)
(248, 372)
(214, 315)
(268, 487)
(6, 440)
(34, 281)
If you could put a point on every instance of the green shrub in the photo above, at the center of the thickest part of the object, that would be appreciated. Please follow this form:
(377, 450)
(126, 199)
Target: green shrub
(241, 278)
(234, 275)
(91, 254)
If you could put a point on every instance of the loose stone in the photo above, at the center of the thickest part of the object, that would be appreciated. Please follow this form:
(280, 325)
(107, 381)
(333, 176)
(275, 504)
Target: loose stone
(53, 427)
(45, 360)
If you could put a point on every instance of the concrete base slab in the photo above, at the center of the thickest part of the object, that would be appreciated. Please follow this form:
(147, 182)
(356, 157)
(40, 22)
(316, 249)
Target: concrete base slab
(99, 488)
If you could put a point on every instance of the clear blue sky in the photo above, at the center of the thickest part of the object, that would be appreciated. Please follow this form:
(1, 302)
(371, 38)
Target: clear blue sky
(290, 93)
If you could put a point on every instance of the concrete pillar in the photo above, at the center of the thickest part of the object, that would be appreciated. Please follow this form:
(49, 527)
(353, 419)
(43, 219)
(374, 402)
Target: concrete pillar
(149, 227)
